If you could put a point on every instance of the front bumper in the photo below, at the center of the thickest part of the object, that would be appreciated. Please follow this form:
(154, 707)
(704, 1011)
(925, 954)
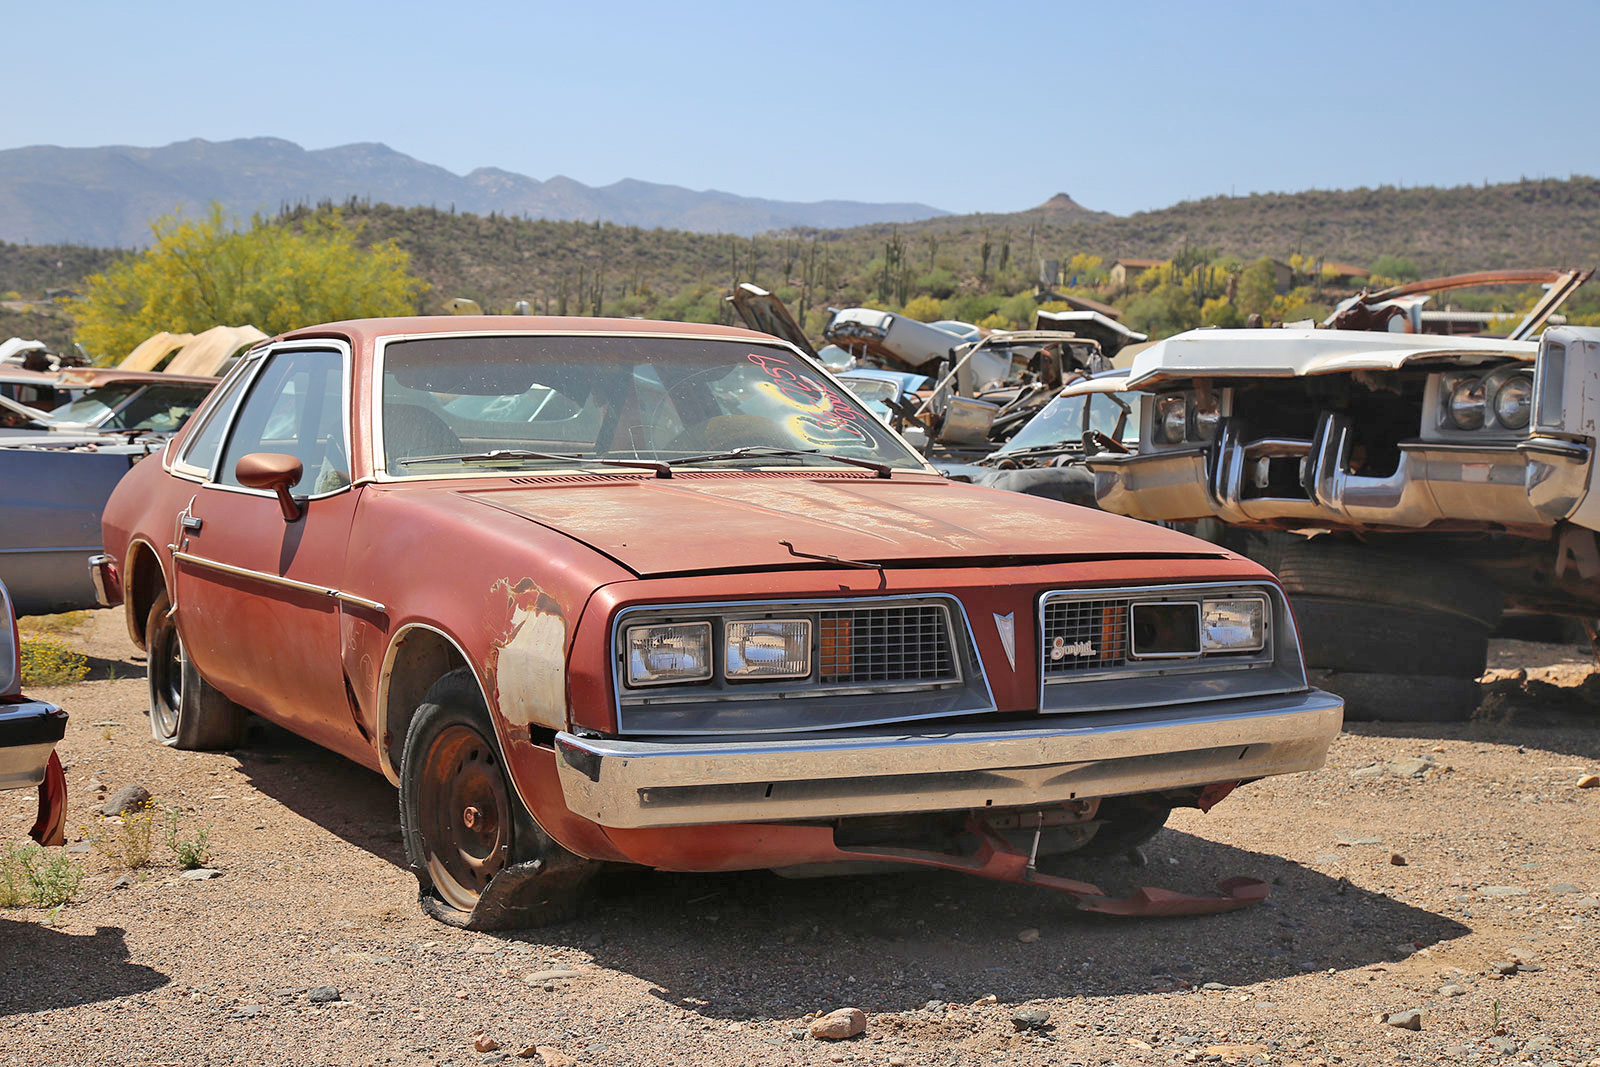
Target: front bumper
(28, 735)
(1044, 761)
(1536, 482)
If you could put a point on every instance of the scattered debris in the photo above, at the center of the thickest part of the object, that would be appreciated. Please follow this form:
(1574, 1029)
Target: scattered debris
(839, 1024)
(322, 994)
(1397, 860)
(1589, 781)
(200, 874)
(128, 798)
(540, 977)
(1405, 1020)
(1030, 1018)
(485, 1043)
(1028, 936)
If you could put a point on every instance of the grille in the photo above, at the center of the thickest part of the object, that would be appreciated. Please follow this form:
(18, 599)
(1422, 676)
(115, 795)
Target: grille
(1084, 635)
(885, 645)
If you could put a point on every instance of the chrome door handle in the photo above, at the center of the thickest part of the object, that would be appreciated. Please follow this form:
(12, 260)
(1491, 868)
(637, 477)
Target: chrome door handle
(192, 523)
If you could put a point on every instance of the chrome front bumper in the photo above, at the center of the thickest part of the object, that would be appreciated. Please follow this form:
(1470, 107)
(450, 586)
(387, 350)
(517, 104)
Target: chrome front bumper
(28, 734)
(1535, 482)
(1047, 760)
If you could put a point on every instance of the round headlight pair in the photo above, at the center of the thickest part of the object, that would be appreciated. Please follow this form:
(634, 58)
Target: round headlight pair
(1469, 402)
(1172, 418)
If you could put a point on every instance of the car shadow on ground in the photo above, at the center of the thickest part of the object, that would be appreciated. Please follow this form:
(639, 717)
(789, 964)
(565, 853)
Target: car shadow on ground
(1571, 729)
(893, 942)
(48, 968)
(752, 944)
(343, 797)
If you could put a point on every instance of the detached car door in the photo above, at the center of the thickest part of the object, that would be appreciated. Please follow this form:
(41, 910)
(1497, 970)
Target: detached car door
(259, 596)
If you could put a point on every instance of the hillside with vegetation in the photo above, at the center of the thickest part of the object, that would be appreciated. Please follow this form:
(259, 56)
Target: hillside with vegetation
(1216, 258)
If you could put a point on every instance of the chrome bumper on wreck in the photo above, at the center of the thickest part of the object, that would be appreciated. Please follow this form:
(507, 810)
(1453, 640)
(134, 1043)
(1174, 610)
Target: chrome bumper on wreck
(1535, 482)
(1044, 761)
(28, 734)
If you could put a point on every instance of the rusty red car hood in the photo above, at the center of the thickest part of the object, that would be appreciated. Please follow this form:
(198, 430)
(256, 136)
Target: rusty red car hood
(728, 522)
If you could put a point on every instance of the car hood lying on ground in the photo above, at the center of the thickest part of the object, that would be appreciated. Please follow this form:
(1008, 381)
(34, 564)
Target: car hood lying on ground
(730, 522)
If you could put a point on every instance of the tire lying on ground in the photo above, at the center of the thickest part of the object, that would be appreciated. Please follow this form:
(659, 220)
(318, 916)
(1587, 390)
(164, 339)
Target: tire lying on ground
(1350, 570)
(1401, 637)
(1401, 697)
(1347, 635)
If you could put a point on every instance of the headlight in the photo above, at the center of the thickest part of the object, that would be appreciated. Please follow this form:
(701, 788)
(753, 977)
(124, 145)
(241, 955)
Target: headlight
(1466, 404)
(1513, 402)
(1205, 421)
(1172, 418)
(1235, 625)
(662, 655)
(768, 648)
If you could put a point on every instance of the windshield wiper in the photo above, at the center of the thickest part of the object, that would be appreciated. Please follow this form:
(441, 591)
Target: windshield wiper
(882, 470)
(662, 470)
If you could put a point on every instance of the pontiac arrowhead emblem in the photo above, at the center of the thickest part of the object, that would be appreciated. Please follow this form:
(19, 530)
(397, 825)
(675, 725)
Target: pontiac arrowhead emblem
(1007, 626)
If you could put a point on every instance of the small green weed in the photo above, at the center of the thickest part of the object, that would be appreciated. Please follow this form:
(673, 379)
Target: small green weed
(30, 876)
(190, 852)
(127, 841)
(46, 661)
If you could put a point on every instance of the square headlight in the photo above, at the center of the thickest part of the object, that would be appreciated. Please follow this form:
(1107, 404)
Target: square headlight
(1233, 625)
(767, 648)
(673, 652)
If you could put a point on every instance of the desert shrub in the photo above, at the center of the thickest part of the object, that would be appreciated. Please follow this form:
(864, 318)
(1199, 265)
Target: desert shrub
(46, 661)
(29, 876)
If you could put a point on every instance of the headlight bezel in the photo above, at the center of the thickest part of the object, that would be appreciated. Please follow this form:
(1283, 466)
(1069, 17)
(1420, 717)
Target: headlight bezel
(644, 629)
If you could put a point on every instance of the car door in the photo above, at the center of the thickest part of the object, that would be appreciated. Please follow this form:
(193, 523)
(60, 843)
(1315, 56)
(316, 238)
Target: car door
(260, 600)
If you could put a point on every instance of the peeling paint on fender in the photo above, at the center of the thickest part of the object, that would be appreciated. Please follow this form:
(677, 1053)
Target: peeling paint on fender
(530, 661)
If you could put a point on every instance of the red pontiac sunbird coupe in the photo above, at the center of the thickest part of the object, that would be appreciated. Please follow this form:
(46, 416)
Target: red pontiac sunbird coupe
(594, 591)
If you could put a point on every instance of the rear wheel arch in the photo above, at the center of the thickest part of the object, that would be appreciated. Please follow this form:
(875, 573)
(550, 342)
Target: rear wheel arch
(143, 581)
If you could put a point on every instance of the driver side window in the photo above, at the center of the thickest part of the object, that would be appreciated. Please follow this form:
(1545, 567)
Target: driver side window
(296, 407)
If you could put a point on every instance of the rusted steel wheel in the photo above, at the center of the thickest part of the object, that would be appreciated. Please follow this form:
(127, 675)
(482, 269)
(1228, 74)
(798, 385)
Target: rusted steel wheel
(186, 711)
(464, 814)
(480, 859)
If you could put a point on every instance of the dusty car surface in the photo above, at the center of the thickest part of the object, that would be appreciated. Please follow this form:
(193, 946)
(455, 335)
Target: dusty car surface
(29, 731)
(1448, 478)
(600, 591)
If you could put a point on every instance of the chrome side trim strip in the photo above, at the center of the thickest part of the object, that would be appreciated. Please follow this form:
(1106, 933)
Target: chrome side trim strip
(278, 580)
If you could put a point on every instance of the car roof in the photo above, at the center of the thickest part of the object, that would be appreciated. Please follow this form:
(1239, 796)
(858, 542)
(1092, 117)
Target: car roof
(365, 331)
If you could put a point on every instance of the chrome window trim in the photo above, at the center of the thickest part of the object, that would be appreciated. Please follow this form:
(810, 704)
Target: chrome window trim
(345, 395)
(380, 348)
(779, 689)
(1266, 656)
(244, 369)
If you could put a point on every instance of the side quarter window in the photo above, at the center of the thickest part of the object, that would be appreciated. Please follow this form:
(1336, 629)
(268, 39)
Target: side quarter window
(296, 407)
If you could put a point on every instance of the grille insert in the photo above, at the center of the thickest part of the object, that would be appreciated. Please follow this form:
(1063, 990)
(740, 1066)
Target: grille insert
(1084, 635)
(885, 645)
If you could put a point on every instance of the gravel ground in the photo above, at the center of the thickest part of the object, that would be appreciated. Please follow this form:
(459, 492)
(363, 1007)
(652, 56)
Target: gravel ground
(1412, 871)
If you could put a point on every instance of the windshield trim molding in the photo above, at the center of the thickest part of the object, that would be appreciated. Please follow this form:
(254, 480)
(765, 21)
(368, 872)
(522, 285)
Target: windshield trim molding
(380, 346)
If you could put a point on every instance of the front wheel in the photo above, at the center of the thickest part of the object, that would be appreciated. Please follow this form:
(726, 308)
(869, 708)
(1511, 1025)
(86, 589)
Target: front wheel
(185, 710)
(481, 860)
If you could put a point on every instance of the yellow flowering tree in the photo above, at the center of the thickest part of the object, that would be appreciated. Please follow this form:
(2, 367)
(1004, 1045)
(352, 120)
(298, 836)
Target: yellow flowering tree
(212, 271)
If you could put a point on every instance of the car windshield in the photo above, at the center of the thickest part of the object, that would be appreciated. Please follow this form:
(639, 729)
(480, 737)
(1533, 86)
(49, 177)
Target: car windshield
(1061, 422)
(483, 399)
(148, 406)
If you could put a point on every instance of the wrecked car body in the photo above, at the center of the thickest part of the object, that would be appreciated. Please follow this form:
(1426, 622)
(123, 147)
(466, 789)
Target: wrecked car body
(702, 612)
(1447, 477)
(58, 468)
(29, 732)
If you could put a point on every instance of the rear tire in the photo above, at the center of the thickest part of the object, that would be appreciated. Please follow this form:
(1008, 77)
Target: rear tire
(1401, 697)
(481, 860)
(186, 711)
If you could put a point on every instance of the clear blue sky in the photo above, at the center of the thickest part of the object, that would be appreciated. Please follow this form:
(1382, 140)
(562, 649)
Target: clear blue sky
(967, 106)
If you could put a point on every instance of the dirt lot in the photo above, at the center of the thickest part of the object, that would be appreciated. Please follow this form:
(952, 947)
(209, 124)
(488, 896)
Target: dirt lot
(1500, 872)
